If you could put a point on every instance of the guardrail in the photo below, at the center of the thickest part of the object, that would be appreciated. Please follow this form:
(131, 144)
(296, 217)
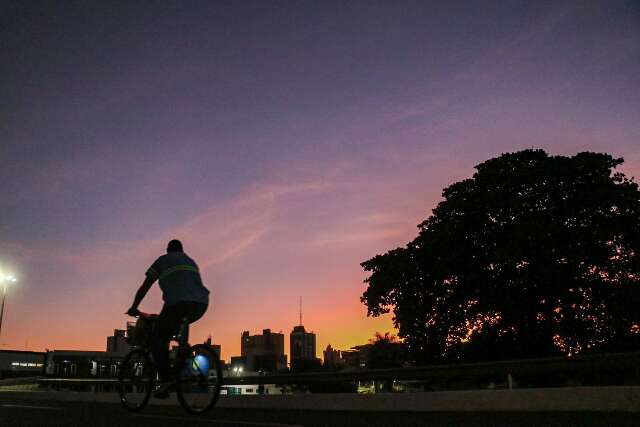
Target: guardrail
(603, 369)
(17, 381)
(604, 364)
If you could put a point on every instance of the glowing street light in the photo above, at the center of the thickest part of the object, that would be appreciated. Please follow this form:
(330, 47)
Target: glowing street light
(5, 279)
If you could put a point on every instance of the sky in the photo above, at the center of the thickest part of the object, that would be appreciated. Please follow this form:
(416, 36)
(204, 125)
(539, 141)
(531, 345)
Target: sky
(284, 142)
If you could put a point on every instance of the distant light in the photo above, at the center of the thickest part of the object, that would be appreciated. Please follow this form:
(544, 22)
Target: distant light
(9, 278)
(27, 364)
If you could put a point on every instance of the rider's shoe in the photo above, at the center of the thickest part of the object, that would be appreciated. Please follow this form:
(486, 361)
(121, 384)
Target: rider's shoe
(163, 391)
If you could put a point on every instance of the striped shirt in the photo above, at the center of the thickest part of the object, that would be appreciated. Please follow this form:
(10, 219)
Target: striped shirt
(179, 279)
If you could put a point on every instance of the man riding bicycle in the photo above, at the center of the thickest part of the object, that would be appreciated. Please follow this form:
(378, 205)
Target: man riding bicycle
(184, 296)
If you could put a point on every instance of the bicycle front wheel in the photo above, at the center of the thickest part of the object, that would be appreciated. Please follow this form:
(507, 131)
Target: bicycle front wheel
(199, 380)
(136, 380)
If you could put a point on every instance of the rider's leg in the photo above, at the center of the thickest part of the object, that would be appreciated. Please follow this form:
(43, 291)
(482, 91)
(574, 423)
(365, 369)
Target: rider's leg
(193, 310)
(166, 326)
(189, 311)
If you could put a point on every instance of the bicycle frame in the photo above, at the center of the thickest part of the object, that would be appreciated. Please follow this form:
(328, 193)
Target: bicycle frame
(184, 350)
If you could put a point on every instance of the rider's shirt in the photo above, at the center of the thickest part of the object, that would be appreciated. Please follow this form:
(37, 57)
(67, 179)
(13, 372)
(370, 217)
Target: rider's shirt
(179, 279)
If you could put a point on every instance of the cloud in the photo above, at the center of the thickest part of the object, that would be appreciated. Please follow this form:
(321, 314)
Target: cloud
(222, 232)
(358, 237)
(371, 227)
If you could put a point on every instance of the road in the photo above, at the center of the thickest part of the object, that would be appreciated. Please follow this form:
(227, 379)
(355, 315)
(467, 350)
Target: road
(19, 409)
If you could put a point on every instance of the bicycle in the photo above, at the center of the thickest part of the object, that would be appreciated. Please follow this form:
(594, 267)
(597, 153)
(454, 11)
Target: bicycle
(198, 371)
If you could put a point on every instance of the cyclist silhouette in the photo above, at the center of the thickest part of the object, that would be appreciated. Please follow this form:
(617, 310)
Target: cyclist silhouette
(185, 297)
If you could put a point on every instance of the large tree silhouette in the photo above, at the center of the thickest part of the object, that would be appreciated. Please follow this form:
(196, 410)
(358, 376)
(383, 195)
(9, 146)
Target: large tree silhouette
(385, 351)
(535, 255)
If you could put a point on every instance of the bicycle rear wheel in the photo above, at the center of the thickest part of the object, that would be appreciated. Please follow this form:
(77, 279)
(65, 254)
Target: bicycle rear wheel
(136, 380)
(199, 380)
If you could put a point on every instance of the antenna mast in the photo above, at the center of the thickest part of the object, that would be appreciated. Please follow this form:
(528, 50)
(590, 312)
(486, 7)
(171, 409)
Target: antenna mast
(301, 311)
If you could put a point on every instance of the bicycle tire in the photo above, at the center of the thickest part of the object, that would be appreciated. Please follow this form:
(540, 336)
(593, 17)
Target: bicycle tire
(215, 382)
(149, 375)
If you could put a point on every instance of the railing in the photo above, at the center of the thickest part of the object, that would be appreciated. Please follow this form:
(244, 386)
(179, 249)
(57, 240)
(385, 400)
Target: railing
(604, 369)
(19, 384)
(18, 381)
(604, 365)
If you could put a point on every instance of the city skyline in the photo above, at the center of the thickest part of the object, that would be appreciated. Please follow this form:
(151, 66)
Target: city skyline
(116, 342)
(283, 143)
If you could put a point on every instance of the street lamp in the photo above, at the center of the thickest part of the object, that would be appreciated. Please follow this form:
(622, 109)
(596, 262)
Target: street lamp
(4, 280)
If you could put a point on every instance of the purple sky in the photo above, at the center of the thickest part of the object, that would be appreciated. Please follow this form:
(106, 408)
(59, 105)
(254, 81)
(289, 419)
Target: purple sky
(283, 142)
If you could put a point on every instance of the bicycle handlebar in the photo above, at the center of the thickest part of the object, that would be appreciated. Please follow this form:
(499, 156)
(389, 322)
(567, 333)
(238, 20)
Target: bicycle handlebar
(145, 315)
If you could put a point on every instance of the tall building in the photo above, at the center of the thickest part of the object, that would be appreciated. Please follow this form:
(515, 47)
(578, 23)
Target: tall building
(263, 352)
(117, 343)
(331, 356)
(217, 348)
(302, 344)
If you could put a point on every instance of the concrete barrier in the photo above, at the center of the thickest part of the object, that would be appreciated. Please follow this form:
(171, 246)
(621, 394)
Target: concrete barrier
(581, 399)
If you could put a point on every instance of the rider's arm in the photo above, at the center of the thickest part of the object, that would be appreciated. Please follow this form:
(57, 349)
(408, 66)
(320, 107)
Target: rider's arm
(142, 291)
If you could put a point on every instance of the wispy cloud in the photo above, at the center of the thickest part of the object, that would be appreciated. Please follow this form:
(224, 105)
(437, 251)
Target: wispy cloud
(219, 234)
(376, 227)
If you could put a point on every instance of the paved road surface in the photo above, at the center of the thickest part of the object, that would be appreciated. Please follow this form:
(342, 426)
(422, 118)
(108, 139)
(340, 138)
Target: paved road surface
(20, 410)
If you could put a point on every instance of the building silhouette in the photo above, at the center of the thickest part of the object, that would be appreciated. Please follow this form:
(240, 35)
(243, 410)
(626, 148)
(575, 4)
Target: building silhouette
(331, 357)
(17, 363)
(356, 356)
(262, 352)
(82, 364)
(217, 348)
(302, 344)
(117, 343)
(89, 363)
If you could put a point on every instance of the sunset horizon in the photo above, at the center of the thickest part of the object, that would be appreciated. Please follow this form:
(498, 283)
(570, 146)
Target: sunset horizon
(283, 143)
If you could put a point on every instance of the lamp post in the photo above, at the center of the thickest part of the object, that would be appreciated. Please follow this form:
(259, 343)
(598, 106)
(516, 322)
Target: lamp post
(4, 280)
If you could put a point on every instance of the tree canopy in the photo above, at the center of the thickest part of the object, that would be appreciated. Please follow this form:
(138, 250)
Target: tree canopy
(385, 351)
(535, 255)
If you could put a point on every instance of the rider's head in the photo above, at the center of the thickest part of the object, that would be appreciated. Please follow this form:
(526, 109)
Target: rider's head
(174, 246)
